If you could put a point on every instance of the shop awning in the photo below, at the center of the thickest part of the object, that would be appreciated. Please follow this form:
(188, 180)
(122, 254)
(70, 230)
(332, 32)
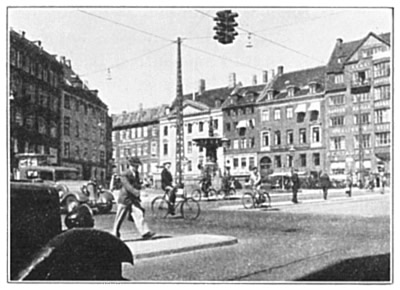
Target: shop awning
(242, 124)
(300, 108)
(316, 106)
(338, 165)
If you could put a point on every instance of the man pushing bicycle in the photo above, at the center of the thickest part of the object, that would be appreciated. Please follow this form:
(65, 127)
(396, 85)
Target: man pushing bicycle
(168, 186)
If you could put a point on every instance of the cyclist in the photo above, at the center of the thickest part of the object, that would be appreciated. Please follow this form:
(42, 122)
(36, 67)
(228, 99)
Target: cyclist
(255, 183)
(168, 186)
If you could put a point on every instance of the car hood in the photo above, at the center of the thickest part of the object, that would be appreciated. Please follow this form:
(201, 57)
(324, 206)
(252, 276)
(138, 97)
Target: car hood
(73, 185)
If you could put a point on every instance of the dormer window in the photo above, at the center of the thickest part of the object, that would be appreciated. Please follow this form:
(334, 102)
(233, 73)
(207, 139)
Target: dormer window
(290, 91)
(313, 87)
(270, 94)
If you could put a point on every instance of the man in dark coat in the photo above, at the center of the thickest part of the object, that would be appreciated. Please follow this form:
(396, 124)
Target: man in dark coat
(295, 185)
(168, 186)
(128, 201)
(325, 183)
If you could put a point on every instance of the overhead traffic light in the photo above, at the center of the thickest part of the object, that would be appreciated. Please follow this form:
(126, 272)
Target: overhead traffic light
(225, 28)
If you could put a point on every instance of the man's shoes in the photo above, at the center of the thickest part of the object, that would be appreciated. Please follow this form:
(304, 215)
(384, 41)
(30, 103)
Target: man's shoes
(295, 201)
(171, 210)
(148, 235)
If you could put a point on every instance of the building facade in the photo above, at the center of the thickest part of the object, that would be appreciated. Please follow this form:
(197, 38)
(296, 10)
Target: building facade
(358, 106)
(290, 122)
(35, 99)
(85, 139)
(137, 134)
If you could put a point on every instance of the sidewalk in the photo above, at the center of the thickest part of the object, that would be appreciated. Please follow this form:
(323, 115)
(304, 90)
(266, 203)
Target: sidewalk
(167, 245)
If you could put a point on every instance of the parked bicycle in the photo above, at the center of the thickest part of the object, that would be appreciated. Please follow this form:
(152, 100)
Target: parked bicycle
(254, 199)
(228, 188)
(205, 189)
(187, 206)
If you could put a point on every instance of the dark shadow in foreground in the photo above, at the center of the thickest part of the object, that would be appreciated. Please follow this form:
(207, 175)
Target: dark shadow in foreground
(370, 268)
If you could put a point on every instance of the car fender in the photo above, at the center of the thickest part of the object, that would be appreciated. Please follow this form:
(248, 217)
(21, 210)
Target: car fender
(107, 195)
(79, 254)
(78, 195)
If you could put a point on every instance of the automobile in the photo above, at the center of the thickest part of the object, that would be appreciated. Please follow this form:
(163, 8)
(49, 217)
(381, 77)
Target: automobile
(71, 188)
(40, 250)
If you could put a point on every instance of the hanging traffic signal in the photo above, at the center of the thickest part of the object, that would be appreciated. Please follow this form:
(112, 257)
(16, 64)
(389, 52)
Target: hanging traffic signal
(225, 28)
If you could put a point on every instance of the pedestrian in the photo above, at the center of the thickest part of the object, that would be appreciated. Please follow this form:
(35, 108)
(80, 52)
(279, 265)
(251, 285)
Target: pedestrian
(168, 186)
(383, 182)
(349, 181)
(128, 202)
(295, 185)
(325, 183)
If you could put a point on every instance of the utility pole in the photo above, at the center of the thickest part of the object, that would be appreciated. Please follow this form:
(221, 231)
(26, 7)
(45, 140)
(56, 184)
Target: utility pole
(360, 147)
(179, 118)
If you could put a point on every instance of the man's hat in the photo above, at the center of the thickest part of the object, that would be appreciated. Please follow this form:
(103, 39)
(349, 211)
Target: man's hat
(254, 167)
(166, 162)
(134, 161)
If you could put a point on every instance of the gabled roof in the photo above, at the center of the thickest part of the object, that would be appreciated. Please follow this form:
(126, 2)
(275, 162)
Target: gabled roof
(244, 95)
(139, 117)
(195, 104)
(347, 49)
(299, 79)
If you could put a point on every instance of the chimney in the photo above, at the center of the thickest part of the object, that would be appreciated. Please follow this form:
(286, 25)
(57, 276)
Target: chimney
(280, 70)
(232, 80)
(265, 77)
(254, 80)
(202, 86)
(23, 34)
(123, 112)
(339, 42)
(140, 107)
(272, 74)
(68, 63)
(218, 102)
(167, 110)
(95, 92)
(62, 59)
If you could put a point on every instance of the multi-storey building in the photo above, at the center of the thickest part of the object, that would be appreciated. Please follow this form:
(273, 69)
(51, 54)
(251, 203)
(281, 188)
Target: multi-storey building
(85, 125)
(137, 134)
(35, 99)
(290, 122)
(240, 128)
(358, 106)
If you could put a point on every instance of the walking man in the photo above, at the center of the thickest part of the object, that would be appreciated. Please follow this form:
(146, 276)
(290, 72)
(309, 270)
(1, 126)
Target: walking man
(295, 185)
(325, 183)
(128, 202)
(168, 186)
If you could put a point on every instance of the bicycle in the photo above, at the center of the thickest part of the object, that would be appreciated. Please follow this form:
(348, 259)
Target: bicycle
(206, 188)
(188, 207)
(255, 199)
(228, 189)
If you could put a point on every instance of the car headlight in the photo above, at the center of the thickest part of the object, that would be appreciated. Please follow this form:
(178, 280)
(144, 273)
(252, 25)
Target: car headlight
(62, 189)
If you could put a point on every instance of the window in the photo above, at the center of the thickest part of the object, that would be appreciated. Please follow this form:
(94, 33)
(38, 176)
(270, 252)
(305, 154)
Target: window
(228, 113)
(289, 160)
(313, 88)
(316, 135)
(243, 144)
(365, 141)
(242, 131)
(165, 149)
(77, 152)
(252, 142)
(303, 160)
(382, 69)
(165, 130)
(289, 137)
(382, 139)
(336, 100)
(53, 130)
(338, 79)
(300, 117)
(240, 112)
(235, 144)
(201, 126)
(302, 136)
(382, 116)
(77, 129)
(235, 163)
(337, 121)
(314, 115)
(102, 157)
(189, 128)
(42, 126)
(364, 118)
(153, 148)
(139, 132)
(289, 113)
(277, 161)
(337, 143)
(290, 91)
(362, 97)
(243, 162)
(145, 132)
(189, 147)
(66, 125)
(67, 102)
(361, 77)
(265, 115)
(66, 150)
(382, 93)
(154, 131)
(277, 137)
(251, 162)
(139, 150)
(189, 165)
(228, 127)
(277, 114)
(233, 112)
(145, 149)
(316, 159)
(216, 124)
(265, 139)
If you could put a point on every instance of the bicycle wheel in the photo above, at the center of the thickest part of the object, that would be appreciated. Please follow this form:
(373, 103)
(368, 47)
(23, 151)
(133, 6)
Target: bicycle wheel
(212, 193)
(267, 198)
(232, 192)
(159, 207)
(190, 209)
(221, 194)
(196, 194)
(248, 200)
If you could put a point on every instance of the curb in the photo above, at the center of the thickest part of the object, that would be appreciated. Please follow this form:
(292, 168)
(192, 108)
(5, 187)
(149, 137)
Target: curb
(166, 246)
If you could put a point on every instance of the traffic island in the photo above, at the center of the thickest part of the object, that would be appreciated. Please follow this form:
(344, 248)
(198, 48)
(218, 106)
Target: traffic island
(166, 245)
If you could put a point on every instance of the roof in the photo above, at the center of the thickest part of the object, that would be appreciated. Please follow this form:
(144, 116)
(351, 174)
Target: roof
(347, 49)
(245, 95)
(299, 79)
(139, 117)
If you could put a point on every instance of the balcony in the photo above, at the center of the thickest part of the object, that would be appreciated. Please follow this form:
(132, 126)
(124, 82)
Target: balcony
(361, 82)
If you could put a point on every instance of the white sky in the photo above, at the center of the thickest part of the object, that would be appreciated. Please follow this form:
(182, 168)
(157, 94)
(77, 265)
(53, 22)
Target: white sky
(125, 40)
